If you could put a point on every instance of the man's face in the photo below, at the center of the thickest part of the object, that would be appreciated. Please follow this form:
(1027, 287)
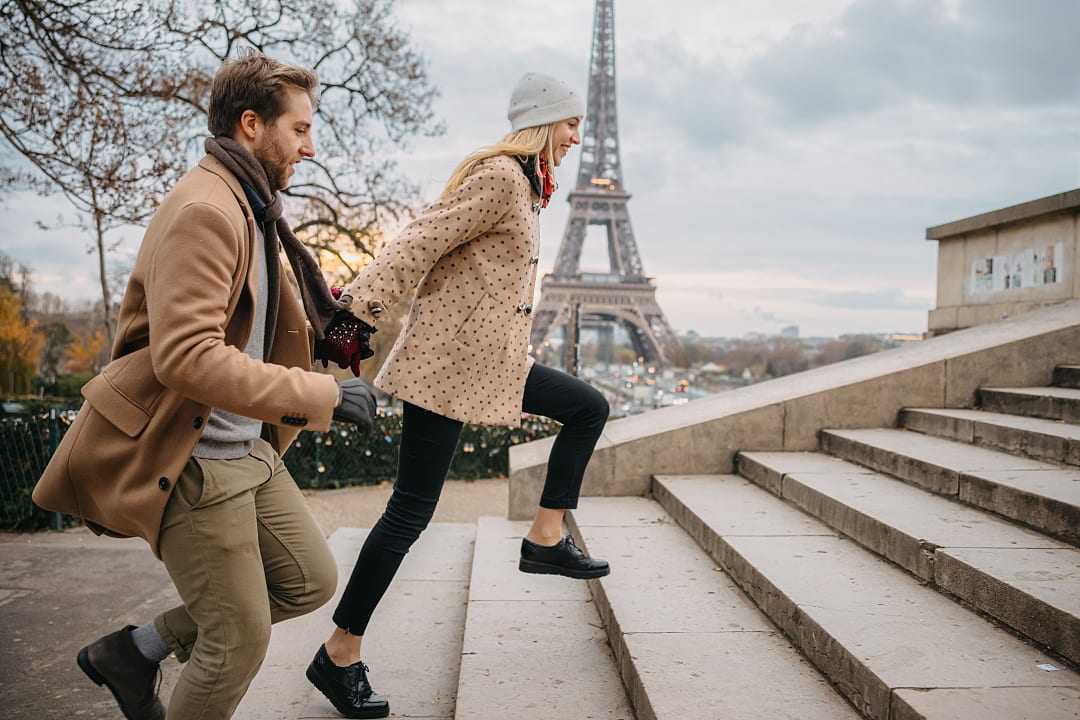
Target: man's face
(283, 144)
(567, 133)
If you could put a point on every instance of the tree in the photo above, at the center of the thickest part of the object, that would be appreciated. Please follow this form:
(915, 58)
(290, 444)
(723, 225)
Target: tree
(57, 338)
(20, 344)
(67, 76)
(107, 101)
(786, 357)
(86, 352)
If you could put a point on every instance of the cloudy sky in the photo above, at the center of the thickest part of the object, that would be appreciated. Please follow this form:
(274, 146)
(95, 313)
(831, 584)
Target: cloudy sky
(785, 157)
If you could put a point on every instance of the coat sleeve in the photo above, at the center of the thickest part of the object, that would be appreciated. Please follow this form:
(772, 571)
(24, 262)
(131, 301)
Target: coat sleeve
(188, 287)
(476, 207)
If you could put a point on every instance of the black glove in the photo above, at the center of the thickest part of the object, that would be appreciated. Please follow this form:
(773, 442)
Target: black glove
(357, 404)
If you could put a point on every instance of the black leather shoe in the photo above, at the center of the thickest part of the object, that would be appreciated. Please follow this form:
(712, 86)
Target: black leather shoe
(115, 662)
(563, 558)
(347, 688)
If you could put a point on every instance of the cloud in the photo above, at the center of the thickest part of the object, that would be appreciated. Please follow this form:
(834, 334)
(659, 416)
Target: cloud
(785, 156)
(886, 53)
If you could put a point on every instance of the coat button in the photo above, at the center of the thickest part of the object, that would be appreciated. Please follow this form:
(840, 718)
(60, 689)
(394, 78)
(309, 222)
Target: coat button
(163, 483)
(197, 423)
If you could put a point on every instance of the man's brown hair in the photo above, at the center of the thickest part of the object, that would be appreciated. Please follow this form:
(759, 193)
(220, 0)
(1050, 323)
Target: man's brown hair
(253, 81)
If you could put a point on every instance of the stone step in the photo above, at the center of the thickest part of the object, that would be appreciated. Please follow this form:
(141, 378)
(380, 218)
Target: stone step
(534, 644)
(413, 644)
(1052, 403)
(690, 645)
(1024, 579)
(1034, 437)
(1038, 494)
(1067, 376)
(897, 649)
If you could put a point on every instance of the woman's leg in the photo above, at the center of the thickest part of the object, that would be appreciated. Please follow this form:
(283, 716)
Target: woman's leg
(428, 442)
(583, 411)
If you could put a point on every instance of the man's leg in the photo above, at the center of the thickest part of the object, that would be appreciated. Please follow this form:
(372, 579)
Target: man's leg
(213, 557)
(301, 574)
(300, 571)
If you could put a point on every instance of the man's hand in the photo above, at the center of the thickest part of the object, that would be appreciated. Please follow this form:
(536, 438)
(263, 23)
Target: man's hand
(357, 404)
(346, 341)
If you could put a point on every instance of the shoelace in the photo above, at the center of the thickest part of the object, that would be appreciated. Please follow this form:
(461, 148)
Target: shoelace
(358, 695)
(157, 689)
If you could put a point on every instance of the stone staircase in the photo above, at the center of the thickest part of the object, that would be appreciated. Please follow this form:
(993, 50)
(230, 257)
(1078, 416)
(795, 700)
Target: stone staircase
(460, 633)
(927, 571)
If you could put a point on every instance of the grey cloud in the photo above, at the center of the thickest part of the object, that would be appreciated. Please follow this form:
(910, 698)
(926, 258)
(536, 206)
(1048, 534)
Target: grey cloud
(665, 87)
(884, 53)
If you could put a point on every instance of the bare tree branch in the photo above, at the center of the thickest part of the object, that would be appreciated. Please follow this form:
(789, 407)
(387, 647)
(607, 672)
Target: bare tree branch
(107, 100)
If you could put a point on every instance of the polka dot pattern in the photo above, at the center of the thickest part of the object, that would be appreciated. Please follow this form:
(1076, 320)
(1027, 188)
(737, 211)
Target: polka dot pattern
(464, 350)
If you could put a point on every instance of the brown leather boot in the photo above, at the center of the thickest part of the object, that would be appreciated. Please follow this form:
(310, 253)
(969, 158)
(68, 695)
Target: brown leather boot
(115, 662)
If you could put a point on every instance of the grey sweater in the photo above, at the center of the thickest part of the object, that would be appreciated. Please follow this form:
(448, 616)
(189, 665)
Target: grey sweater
(229, 436)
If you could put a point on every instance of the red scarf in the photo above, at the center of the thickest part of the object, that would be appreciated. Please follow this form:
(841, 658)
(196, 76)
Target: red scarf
(548, 180)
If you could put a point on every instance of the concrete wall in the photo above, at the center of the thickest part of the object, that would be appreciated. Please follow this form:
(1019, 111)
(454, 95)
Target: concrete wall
(786, 414)
(992, 266)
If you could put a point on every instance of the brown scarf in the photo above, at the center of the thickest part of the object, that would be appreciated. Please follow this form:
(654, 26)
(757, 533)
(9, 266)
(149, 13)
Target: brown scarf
(319, 305)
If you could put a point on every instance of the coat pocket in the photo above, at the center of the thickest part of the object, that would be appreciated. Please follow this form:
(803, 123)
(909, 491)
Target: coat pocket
(124, 414)
(126, 392)
(479, 330)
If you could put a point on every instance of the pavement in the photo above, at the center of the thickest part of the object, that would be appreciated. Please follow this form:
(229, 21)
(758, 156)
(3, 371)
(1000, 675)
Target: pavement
(61, 590)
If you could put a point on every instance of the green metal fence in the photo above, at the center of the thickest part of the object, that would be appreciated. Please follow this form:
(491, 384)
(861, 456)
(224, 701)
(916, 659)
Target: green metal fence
(27, 441)
(333, 459)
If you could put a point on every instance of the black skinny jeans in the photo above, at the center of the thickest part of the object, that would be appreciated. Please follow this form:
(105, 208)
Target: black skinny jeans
(428, 442)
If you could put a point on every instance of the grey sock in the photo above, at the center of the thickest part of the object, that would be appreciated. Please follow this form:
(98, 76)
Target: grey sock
(149, 643)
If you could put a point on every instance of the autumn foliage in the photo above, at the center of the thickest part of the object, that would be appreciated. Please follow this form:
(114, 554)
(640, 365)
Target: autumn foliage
(85, 353)
(21, 344)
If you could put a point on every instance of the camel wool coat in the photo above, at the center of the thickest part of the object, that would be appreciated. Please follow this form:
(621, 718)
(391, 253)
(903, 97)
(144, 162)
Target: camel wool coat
(464, 350)
(185, 317)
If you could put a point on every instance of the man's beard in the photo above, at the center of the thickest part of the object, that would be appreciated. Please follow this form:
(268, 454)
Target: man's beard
(274, 161)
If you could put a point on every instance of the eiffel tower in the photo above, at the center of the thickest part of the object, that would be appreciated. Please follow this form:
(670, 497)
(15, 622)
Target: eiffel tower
(624, 295)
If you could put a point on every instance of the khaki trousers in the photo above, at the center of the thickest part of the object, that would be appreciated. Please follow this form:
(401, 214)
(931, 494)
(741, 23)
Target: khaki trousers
(244, 552)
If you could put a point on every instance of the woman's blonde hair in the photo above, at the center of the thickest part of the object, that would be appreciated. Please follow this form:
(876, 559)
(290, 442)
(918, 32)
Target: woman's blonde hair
(526, 143)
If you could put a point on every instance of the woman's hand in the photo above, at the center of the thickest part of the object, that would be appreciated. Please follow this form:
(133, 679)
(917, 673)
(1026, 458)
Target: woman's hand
(346, 341)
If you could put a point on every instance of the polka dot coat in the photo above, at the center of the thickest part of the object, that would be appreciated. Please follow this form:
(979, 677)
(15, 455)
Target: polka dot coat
(463, 352)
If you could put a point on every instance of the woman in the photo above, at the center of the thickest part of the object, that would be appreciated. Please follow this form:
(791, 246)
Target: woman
(463, 357)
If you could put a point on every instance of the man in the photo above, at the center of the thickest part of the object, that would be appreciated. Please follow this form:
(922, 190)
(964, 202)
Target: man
(180, 439)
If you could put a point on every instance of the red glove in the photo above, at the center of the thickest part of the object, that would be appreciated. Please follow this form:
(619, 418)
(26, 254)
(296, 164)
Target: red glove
(346, 340)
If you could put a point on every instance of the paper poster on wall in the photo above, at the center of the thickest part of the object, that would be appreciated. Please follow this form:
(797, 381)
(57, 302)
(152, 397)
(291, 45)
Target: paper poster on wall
(1042, 265)
(1000, 271)
(1014, 272)
(982, 275)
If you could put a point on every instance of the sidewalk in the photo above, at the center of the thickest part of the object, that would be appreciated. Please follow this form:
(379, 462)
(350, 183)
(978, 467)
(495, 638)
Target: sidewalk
(59, 591)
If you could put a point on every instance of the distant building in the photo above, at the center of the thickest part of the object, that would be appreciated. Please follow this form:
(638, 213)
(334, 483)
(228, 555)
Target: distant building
(901, 338)
(791, 331)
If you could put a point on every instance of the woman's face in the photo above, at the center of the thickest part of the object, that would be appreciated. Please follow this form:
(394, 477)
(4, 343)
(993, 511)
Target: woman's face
(565, 135)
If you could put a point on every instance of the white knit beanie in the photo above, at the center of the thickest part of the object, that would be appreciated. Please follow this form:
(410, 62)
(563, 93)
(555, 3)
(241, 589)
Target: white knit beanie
(540, 100)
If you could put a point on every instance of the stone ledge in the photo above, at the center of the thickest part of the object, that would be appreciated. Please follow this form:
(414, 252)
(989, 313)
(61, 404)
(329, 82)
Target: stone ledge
(787, 413)
(1050, 205)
